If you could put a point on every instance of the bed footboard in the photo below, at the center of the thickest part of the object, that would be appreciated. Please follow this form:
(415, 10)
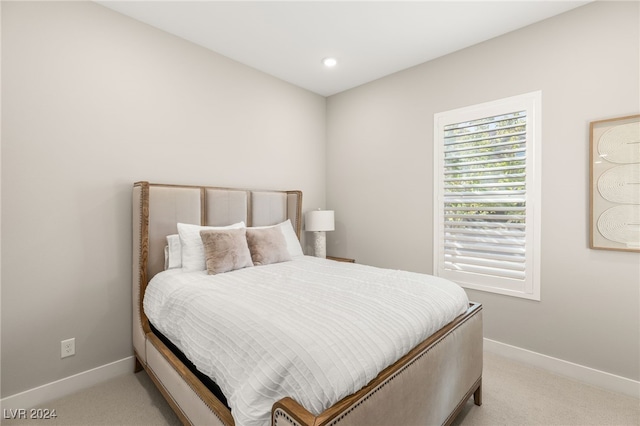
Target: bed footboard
(429, 386)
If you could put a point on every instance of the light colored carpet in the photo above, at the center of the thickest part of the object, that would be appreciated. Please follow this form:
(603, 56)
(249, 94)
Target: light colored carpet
(513, 394)
(516, 394)
(128, 400)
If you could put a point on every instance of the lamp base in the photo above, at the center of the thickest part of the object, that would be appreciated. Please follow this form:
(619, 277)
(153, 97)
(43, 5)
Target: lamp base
(320, 244)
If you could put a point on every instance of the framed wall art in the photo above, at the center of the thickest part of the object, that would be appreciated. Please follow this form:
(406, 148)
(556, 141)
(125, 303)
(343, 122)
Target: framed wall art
(615, 184)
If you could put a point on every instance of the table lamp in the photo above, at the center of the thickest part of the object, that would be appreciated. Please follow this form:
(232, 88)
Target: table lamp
(318, 222)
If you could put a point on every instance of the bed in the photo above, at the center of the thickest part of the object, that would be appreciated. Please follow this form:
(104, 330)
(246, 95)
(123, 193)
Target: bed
(429, 383)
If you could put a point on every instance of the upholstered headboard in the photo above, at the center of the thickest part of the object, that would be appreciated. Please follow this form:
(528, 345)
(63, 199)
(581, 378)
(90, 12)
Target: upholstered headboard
(158, 208)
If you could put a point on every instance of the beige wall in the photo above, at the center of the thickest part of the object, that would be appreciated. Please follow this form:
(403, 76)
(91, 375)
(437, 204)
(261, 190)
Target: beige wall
(91, 102)
(379, 180)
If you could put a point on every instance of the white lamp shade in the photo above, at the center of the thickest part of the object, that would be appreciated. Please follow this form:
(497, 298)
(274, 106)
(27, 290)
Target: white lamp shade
(319, 220)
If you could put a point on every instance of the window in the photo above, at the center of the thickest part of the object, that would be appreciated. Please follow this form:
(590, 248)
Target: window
(487, 196)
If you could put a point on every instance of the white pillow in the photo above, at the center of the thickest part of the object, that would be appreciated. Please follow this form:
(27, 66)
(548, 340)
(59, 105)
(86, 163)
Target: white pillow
(193, 258)
(173, 252)
(293, 244)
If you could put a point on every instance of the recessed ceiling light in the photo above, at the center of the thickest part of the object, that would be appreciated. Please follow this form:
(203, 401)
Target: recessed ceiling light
(329, 62)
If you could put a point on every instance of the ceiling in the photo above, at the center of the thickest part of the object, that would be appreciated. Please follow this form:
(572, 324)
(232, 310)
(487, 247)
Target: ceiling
(369, 39)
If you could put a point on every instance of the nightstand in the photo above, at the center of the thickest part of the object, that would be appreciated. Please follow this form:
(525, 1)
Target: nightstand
(341, 259)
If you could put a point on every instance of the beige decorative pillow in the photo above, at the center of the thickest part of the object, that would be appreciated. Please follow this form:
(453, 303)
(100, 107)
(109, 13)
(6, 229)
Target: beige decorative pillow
(225, 250)
(267, 245)
(192, 250)
(290, 236)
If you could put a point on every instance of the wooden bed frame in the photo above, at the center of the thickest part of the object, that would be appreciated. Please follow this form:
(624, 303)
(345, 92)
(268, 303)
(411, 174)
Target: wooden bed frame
(429, 385)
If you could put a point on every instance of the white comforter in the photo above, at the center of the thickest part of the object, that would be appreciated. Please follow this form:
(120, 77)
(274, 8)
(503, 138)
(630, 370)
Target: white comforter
(312, 329)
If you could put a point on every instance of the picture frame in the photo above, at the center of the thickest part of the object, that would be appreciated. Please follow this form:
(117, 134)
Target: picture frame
(615, 183)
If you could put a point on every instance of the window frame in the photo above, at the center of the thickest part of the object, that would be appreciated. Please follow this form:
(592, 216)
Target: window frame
(529, 288)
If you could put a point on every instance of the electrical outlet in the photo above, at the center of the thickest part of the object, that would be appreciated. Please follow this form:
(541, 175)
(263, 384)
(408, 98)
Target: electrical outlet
(67, 348)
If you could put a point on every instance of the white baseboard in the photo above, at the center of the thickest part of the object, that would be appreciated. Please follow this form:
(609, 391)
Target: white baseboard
(60, 388)
(577, 372)
(63, 387)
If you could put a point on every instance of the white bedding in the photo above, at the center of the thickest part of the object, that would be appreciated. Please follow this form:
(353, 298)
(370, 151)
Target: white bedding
(312, 329)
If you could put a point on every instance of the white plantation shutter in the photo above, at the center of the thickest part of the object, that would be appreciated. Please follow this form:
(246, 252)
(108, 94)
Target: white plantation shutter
(486, 197)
